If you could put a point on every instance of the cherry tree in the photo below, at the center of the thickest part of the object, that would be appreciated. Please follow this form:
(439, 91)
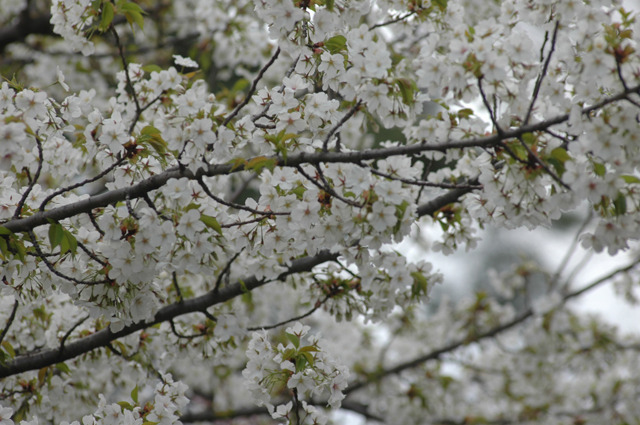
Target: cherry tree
(201, 203)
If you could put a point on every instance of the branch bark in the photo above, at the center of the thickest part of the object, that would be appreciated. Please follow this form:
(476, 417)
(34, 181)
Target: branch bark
(103, 337)
(48, 357)
(155, 182)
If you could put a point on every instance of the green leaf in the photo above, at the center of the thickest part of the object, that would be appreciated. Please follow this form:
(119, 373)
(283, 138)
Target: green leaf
(240, 85)
(151, 68)
(134, 18)
(442, 4)
(237, 163)
(42, 374)
(150, 130)
(308, 348)
(627, 178)
(55, 234)
(9, 349)
(125, 405)
(69, 242)
(134, 394)
(4, 249)
(420, 284)
(288, 353)
(259, 163)
(336, 44)
(5, 231)
(294, 339)
(299, 191)
(153, 137)
(62, 367)
(133, 13)
(245, 290)
(465, 112)
(407, 89)
(557, 158)
(108, 11)
(560, 154)
(599, 169)
(301, 362)
(130, 7)
(529, 138)
(308, 357)
(620, 204)
(16, 248)
(211, 222)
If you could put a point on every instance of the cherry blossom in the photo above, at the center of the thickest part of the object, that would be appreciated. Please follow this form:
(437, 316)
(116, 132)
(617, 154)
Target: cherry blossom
(212, 211)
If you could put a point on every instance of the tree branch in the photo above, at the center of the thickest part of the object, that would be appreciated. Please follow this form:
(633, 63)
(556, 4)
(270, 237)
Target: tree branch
(158, 180)
(252, 89)
(102, 338)
(435, 354)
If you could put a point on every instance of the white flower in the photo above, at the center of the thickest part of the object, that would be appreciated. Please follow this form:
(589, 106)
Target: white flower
(382, 216)
(282, 410)
(331, 65)
(190, 224)
(32, 103)
(114, 133)
(60, 75)
(186, 62)
(5, 415)
(298, 329)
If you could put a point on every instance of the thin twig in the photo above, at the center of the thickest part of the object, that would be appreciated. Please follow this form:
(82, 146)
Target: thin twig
(327, 188)
(92, 218)
(12, 317)
(325, 142)
(234, 205)
(33, 182)
(243, 186)
(392, 21)
(491, 111)
(572, 249)
(174, 282)
(437, 353)
(252, 89)
(68, 333)
(181, 336)
(293, 319)
(421, 182)
(152, 205)
(82, 183)
(225, 272)
(93, 256)
(542, 164)
(543, 73)
(242, 223)
(125, 66)
(56, 272)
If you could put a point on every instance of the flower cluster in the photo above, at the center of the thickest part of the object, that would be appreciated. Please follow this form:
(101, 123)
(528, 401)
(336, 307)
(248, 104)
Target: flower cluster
(306, 370)
(70, 20)
(155, 207)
